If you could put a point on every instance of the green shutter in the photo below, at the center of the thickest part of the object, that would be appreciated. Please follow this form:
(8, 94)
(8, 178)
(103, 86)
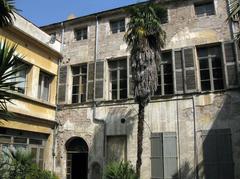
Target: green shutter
(230, 64)
(189, 70)
(170, 155)
(62, 84)
(99, 85)
(164, 155)
(157, 167)
(217, 154)
(178, 72)
(90, 84)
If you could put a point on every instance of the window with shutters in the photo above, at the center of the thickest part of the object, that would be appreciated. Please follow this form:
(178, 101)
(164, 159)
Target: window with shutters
(81, 33)
(165, 75)
(44, 86)
(204, 8)
(79, 83)
(211, 71)
(117, 26)
(217, 154)
(118, 79)
(164, 155)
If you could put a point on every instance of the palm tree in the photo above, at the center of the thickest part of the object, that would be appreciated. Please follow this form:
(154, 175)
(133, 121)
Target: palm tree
(145, 38)
(234, 8)
(8, 75)
(6, 12)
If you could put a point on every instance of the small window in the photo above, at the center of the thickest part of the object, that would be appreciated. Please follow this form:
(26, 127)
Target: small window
(81, 34)
(211, 72)
(21, 78)
(204, 9)
(117, 26)
(118, 79)
(44, 86)
(79, 85)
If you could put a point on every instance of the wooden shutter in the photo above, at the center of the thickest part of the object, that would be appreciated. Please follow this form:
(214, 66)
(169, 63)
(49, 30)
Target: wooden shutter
(217, 154)
(230, 64)
(62, 84)
(237, 50)
(157, 167)
(99, 86)
(170, 155)
(189, 70)
(90, 84)
(178, 71)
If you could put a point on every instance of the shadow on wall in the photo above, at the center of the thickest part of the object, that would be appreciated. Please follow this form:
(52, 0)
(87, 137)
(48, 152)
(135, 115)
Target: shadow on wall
(218, 145)
(110, 139)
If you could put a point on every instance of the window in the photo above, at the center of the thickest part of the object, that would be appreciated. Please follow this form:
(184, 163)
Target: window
(19, 139)
(211, 72)
(204, 9)
(117, 26)
(79, 85)
(21, 77)
(217, 154)
(164, 155)
(118, 79)
(165, 75)
(81, 34)
(44, 86)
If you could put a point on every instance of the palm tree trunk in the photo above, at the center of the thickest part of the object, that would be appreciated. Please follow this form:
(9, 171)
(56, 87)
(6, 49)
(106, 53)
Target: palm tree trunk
(140, 138)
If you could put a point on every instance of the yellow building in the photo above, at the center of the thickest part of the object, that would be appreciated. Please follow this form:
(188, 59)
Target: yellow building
(34, 124)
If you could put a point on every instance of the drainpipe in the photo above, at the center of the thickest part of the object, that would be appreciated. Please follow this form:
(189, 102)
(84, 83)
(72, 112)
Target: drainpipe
(56, 127)
(95, 119)
(195, 139)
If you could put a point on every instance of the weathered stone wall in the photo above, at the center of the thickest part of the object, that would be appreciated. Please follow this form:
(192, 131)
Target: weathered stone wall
(176, 114)
(212, 111)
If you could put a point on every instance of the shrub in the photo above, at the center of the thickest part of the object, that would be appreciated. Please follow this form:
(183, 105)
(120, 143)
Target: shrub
(120, 170)
(18, 164)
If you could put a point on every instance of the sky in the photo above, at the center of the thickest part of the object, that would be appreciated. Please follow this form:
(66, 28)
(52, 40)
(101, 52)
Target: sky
(44, 12)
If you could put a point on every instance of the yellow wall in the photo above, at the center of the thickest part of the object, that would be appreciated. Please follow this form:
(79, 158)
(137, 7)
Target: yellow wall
(40, 58)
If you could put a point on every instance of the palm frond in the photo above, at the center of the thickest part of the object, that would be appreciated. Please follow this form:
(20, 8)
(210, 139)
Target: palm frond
(145, 38)
(8, 75)
(7, 8)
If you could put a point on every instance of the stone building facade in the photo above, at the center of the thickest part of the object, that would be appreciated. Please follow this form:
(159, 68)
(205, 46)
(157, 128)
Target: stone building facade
(191, 125)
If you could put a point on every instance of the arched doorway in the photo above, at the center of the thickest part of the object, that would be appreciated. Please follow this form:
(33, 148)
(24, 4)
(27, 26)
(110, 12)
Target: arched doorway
(77, 158)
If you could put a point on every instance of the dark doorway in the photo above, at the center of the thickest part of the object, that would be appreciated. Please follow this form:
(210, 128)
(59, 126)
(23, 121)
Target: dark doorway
(77, 158)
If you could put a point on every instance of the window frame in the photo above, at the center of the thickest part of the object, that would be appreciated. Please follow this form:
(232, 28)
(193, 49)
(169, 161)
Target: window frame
(80, 75)
(210, 67)
(118, 28)
(26, 69)
(40, 93)
(204, 3)
(81, 33)
(162, 74)
(27, 146)
(118, 69)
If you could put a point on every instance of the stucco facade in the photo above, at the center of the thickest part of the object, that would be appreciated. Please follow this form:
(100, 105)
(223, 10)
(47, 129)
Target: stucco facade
(190, 112)
(34, 117)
